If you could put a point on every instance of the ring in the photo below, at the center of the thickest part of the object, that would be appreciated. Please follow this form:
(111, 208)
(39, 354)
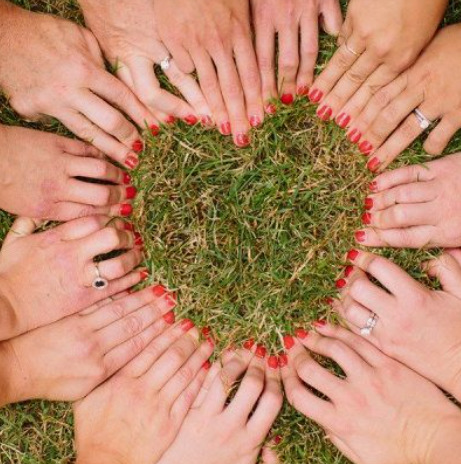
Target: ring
(99, 283)
(350, 50)
(369, 326)
(165, 63)
(423, 122)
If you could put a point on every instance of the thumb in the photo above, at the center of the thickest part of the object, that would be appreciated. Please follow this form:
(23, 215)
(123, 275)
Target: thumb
(448, 270)
(22, 227)
(331, 18)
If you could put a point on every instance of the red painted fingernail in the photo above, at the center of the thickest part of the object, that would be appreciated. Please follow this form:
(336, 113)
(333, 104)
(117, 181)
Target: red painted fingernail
(207, 121)
(126, 178)
(128, 226)
(210, 341)
(365, 147)
(154, 130)
(226, 128)
(303, 90)
(277, 440)
(315, 95)
(325, 113)
(242, 140)
(159, 291)
(137, 146)
(369, 203)
(131, 162)
(191, 120)
(360, 236)
(131, 192)
(343, 120)
(373, 186)
(287, 99)
(255, 121)
(341, 283)
(288, 342)
(366, 219)
(374, 164)
(283, 360)
(261, 351)
(206, 331)
(329, 301)
(301, 333)
(138, 241)
(170, 119)
(186, 325)
(249, 344)
(354, 136)
(126, 210)
(169, 317)
(206, 365)
(273, 362)
(170, 300)
(348, 271)
(270, 108)
(319, 324)
(144, 275)
(352, 255)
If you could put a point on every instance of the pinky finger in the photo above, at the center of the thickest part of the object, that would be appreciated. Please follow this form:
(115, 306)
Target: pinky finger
(411, 237)
(441, 135)
(269, 456)
(66, 211)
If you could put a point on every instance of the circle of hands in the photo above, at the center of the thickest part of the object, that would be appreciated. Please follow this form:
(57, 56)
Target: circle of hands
(141, 382)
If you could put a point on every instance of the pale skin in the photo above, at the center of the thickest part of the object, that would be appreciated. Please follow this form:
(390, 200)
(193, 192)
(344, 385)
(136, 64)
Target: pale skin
(53, 67)
(66, 360)
(39, 177)
(127, 33)
(378, 41)
(150, 396)
(381, 412)
(417, 326)
(47, 276)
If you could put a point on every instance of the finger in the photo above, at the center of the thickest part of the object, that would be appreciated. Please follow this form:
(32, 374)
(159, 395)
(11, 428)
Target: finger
(269, 456)
(411, 237)
(104, 241)
(22, 227)
(83, 227)
(214, 370)
(67, 211)
(78, 148)
(288, 62)
(407, 175)
(448, 271)
(181, 56)
(353, 312)
(402, 215)
(78, 191)
(123, 284)
(308, 51)
(115, 268)
(332, 18)
(96, 169)
(441, 135)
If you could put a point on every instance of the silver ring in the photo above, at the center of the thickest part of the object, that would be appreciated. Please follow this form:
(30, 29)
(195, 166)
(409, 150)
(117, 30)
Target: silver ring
(369, 326)
(99, 283)
(423, 122)
(165, 64)
(350, 50)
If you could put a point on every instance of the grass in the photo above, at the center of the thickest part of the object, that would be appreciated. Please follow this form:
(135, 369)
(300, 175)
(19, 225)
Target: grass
(253, 241)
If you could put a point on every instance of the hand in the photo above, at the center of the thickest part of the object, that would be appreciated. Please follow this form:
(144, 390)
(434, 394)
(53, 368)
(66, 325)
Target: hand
(381, 413)
(135, 416)
(47, 276)
(41, 177)
(205, 35)
(296, 23)
(127, 33)
(432, 85)
(218, 432)
(66, 360)
(54, 67)
(378, 41)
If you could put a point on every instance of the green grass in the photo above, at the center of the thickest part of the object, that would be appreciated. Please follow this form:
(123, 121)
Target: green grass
(253, 241)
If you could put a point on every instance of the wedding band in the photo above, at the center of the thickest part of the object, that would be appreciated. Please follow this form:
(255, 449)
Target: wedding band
(350, 50)
(165, 63)
(423, 122)
(369, 326)
(19, 234)
(99, 283)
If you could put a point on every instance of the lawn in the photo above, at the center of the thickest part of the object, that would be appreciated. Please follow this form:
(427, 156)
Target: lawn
(252, 240)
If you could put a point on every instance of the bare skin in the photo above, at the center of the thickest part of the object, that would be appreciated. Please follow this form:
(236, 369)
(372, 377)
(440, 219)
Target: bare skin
(47, 276)
(215, 39)
(127, 34)
(297, 24)
(432, 85)
(66, 360)
(381, 413)
(414, 207)
(53, 67)
(150, 396)
(417, 326)
(378, 41)
(218, 432)
(39, 177)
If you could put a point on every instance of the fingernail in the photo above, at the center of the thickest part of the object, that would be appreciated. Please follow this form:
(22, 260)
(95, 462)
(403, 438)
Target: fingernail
(186, 325)
(159, 291)
(366, 219)
(206, 331)
(255, 121)
(210, 341)
(270, 108)
(126, 210)
(341, 283)
(288, 342)
(131, 161)
(283, 360)
(324, 113)
(131, 192)
(154, 130)
(206, 121)
(365, 148)
(301, 333)
(343, 120)
(144, 275)
(329, 301)
(360, 236)
(261, 351)
(138, 241)
(273, 362)
(249, 344)
(315, 95)
(319, 324)
(169, 317)
(206, 365)
(191, 120)
(287, 99)
(137, 146)
(373, 164)
(373, 186)
(277, 440)
(352, 255)
(226, 128)
(369, 203)
(242, 140)
(126, 178)
(302, 90)
(170, 119)
(354, 136)
(348, 271)
(128, 226)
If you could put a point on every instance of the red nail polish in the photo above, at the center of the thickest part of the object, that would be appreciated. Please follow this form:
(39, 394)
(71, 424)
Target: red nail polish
(169, 317)
(249, 344)
(191, 120)
(131, 192)
(369, 203)
(288, 342)
(287, 99)
(277, 440)
(319, 324)
(261, 351)
(360, 236)
(154, 130)
(354, 136)
(341, 283)
(303, 90)
(301, 333)
(242, 140)
(159, 291)
(170, 119)
(343, 120)
(273, 362)
(373, 164)
(352, 255)
(270, 108)
(365, 147)
(329, 301)
(206, 331)
(138, 241)
(131, 162)
(126, 210)
(366, 219)
(206, 121)
(226, 128)
(373, 186)
(206, 365)
(126, 178)
(144, 275)
(186, 325)
(137, 146)
(128, 226)
(255, 121)
(283, 360)
(315, 95)
(348, 271)
(325, 113)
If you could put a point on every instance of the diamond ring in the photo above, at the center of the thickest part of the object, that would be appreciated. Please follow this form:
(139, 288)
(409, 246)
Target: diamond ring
(423, 122)
(99, 283)
(350, 50)
(165, 63)
(369, 326)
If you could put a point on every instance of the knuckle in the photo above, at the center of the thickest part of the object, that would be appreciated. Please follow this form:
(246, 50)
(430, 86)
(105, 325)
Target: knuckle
(112, 237)
(100, 168)
(177, 354)
(185, 375)
(266, 63)
(133, 325)
(104, 196)
(397, 215)
(137, 344)
(118, 310)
